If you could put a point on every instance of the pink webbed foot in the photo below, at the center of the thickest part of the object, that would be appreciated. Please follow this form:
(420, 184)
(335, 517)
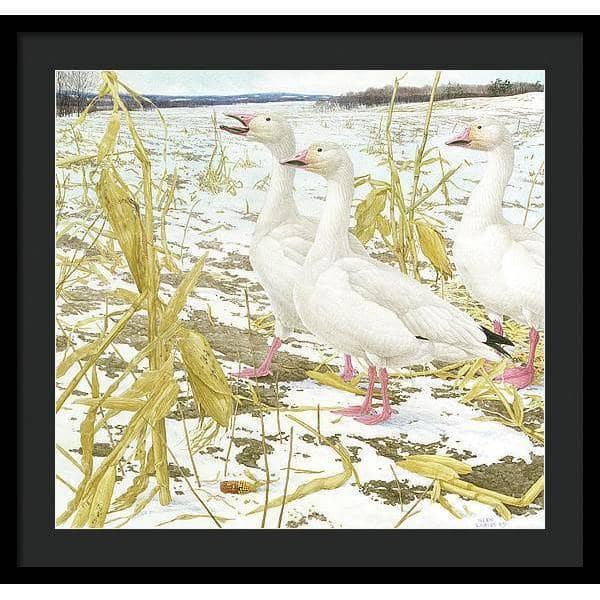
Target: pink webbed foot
(365, 408)
(520, 377)
(265, 368)
(353, 411)
(387, 411)
(523, 376)
(250, 373)
(377, 418)
(348, 373)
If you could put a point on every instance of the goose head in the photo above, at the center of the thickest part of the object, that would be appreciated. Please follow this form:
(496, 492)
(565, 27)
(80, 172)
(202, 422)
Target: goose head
(483, 134)
(324, 158)
(268, 128)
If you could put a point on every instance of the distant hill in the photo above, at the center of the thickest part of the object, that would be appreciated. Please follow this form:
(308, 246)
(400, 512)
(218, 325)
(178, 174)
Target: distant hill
(190, 101)
(234, 99)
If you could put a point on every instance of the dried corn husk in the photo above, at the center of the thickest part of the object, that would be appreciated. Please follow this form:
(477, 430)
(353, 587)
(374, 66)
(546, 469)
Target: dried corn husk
(124, 217)
(209, 386)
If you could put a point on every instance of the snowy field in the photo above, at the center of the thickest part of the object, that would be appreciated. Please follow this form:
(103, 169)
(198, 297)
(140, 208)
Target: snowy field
(430, 417)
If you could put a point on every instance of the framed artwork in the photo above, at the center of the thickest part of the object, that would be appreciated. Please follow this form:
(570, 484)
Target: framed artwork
(309, 298)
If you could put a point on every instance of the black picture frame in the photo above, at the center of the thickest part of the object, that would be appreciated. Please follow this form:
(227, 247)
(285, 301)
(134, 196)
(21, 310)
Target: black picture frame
(318, 44)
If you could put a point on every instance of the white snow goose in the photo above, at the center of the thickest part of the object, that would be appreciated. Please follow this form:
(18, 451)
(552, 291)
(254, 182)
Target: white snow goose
(500, 263)
(282, 236)
(369, 309)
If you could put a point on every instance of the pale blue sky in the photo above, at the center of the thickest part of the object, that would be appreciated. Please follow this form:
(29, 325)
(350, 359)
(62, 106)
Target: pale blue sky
(317, 82)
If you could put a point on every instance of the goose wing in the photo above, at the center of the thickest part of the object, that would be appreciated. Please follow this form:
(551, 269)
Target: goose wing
(523, 269)
(421, 311)
(530, 241)
(294, 240)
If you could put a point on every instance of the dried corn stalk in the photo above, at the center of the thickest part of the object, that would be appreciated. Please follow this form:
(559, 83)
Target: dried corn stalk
(446, 471)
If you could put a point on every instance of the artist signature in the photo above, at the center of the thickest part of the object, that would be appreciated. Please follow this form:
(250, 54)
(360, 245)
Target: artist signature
(493, 522)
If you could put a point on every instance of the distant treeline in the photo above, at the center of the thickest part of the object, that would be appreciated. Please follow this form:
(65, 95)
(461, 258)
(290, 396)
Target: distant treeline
(72, 97)
(378, 96)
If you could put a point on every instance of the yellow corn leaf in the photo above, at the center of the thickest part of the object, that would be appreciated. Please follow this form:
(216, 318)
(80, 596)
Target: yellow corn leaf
(434, 248)
(109, 139)
(157, 407)
(456, 465)
(79, 354)
(114, 403)
(446, 504)
(139, 485)
(366, 214)
(188, 517)
(320, 483)
(140, 505)
(179, 298)
(436, 490)
(101, 501)
(517, 407)
(384, 226)
(124, 294)
(335, 381)
(430, 469)
(480, 495)
(71, 161)
(148, 381)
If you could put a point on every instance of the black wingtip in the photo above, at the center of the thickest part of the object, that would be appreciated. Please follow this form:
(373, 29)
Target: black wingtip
(496, 338)
(496, 341)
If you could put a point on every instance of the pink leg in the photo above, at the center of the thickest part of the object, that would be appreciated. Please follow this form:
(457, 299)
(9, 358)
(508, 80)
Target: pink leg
(498, 328)
(265, 368)
(387, 411)
(365, 407)
(523, 376)
(348, 372)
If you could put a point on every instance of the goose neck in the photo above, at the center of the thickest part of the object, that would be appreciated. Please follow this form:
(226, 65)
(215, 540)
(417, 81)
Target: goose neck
(331, 239)
(485, 204)
(279, 204)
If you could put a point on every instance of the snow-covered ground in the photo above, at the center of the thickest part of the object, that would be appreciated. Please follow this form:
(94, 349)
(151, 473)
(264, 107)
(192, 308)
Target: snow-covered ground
(430, 418)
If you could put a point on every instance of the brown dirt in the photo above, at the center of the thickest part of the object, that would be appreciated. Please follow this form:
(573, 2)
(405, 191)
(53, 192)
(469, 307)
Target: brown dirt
(237, 344)
(509, 476)
(252, 451)
(98, 449)
(388, 491)
(177, 473)
(396, 448)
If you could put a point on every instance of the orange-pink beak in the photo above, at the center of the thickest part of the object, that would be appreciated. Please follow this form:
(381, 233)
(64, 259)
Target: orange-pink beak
(243, 118)
(299, 160)
(462, 139)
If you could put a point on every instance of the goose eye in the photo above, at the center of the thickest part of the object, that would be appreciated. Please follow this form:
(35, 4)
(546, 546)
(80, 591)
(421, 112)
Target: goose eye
(268, 119)
(478, 126)
(319, 149)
